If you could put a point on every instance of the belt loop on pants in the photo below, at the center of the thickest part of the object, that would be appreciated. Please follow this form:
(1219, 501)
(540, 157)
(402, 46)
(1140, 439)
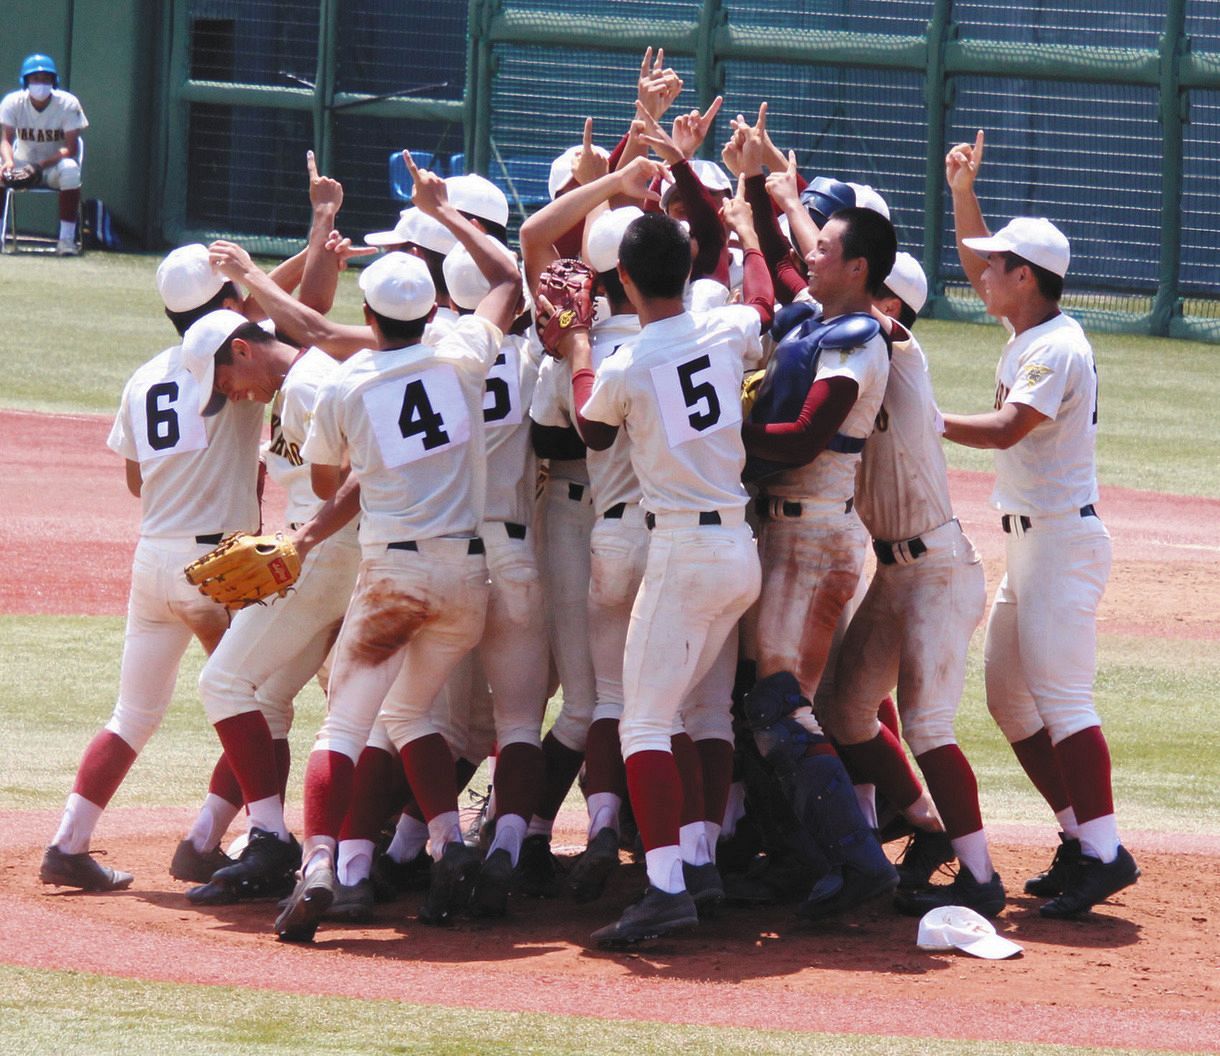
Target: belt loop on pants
(513, 530)
(576, 492)
(211, 539)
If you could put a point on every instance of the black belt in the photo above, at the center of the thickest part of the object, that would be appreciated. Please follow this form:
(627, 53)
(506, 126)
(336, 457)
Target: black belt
(615, 512)
(576, 492)
(885, 551)
(1010, 521)
(475, 546)
(705, 518)
(209, 540)
(513, 530)
(762, 506)
(846, 445)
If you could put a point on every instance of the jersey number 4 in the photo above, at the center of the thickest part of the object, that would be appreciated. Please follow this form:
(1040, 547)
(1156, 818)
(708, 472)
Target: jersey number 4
(417, 418)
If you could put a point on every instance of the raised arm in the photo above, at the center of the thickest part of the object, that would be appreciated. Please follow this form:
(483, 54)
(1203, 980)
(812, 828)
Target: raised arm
(962, 166)
(757, 290)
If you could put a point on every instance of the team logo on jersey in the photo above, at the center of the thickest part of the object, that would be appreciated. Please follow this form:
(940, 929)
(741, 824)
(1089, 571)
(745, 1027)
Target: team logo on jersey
(1035, 373)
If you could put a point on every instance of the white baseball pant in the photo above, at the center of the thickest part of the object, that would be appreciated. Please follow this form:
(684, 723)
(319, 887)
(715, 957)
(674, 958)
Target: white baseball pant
(64, 175)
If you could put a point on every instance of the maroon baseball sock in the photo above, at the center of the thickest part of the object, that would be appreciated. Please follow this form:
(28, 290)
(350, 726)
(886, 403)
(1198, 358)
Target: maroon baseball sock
(518, 779)
(883, 763)
(283, 763)
(656, 797)
(1041, 764)
(224, 782)
(328, 791)
(102, 768)
(428, 764)
(69, 203)
(604, 760)
(562, 766)
(1084, 762)
(954, 789)
(887, 715)
(690, 773)
(372, 788)
(247, 743)
(717, 759)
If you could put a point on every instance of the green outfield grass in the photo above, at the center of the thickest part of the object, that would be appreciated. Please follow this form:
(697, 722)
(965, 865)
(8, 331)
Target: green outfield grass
(1156, 707)
(76, 1014)
(94, 319)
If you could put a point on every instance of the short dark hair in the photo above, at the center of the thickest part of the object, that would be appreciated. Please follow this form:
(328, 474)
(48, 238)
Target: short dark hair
(182, 320)
(612, 287)
(869, 235)
(906, 314)
(436, 267)
(401, 332)
(655, 252)
(250, 332)
(497, 231)
(1050, 285)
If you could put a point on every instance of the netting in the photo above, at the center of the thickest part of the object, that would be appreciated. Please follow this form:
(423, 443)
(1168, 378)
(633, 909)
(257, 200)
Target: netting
(897, 17)
(384, 46)
(1200, 264)
(643, 10)
(272, 42)
(1129, 24)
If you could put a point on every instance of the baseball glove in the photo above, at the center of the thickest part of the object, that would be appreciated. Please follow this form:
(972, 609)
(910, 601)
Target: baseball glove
(568, 285)
(23, 176)
(246, 568)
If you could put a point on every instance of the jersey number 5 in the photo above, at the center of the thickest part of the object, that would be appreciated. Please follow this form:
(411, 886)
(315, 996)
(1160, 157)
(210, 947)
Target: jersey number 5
(695, 393)
(417, 418)
(163, 429)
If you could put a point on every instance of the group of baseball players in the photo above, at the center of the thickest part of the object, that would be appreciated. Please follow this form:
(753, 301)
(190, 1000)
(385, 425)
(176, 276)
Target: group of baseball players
(645, 463)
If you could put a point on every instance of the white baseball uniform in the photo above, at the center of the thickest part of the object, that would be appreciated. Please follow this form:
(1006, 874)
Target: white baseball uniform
(1041, 645)
(40, 133)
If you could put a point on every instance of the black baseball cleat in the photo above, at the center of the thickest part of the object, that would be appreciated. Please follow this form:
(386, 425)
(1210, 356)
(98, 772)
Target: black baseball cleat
(81, 871)
(308, 903)
(987, 898)
(537, 869)
(495, 880)
(392, 878)
(705, 886)
(266, 868)
(453, 879)
(926, 853)
(1089, 881)
(657, 913)
(1050, 883)
(353, 903)
(593, 869)
(197, 867)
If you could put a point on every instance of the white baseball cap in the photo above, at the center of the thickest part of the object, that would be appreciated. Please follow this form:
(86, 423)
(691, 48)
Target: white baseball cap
(605, 235)
(478, 196)
(398, 286)
(466, 284)
(867, 198)
(908, 282)
(417, 228)
(561, 168)
(1034, 238)
(959, 928)
(199, 346)
(711, 175)
(186, 279)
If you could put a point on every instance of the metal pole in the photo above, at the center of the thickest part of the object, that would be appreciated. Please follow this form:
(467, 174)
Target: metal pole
(1173, 118)
(936, 94)
(324, 84)
(709, 74)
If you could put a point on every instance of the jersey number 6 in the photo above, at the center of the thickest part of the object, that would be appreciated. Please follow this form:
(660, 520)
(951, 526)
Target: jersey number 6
(694, 393)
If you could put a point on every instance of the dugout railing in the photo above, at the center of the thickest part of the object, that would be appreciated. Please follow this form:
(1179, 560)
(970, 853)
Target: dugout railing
(1104, 117)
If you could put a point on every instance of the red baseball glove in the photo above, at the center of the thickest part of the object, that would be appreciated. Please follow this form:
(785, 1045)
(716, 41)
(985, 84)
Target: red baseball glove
(566, 286)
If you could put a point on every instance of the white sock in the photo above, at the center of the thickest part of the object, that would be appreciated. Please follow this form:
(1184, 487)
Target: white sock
(540, 826)
(268, 814)
(67, 230)
(603, 812)
(1099, 837)
(971, 851)
(211, 823)
(410, 837)
(355, 861)
(866, 796)
(734, 809)
(510, 831)
(692, 839)
(442, 830)
(712, 831)
(1068, 823)
(664, 866)
(315, 852)
(77, 825)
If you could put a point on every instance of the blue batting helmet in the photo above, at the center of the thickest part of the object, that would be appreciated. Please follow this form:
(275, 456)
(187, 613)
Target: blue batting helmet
(824, 197)
(38, 64)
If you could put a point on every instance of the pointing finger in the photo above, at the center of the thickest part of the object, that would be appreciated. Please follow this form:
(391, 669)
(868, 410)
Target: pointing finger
(588, 140)
(762, 117)
(412, 168)
(311, 164)
(978, 148)
(712, 111)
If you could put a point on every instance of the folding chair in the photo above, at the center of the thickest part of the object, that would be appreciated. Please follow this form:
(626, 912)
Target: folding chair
(12, 242)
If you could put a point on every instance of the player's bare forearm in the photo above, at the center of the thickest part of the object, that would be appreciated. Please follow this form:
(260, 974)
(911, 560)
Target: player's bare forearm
(547, 226)
(804, 231)
(334, 513)
(135, 479)
(995, 430)
(968, 222)
(320, 269)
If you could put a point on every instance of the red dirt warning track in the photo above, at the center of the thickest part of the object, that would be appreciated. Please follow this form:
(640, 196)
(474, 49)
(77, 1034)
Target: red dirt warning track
(1141, 973)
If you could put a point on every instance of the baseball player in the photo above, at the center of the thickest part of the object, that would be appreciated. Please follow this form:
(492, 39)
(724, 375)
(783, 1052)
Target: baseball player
(1040, 650)
(913, 627)
(41, 126)
(675, 388)
(408, 417)
(196, 479)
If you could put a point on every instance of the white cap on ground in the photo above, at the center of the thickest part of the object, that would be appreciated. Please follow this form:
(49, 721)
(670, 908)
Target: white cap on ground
(959, 928)
(908, 281)
(479, 197)
(867, 198)
(186, 279)
(605, 235)
(1034, 238)
(398, 286)
(417, 228)
(561, 168)
(711, 175)
(199, 346)
(466, 284)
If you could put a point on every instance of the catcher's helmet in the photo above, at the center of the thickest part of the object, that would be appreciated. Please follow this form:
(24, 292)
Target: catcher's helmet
(38, 63)
(826, 196)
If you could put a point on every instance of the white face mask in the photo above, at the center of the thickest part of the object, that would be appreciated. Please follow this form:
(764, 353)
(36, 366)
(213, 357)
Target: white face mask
(40, 93)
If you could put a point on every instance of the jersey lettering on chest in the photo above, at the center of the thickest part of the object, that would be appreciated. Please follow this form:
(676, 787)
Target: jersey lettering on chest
(696, 397)
(417, 416)
(165, 419)
(502, 390)
(281, 445)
